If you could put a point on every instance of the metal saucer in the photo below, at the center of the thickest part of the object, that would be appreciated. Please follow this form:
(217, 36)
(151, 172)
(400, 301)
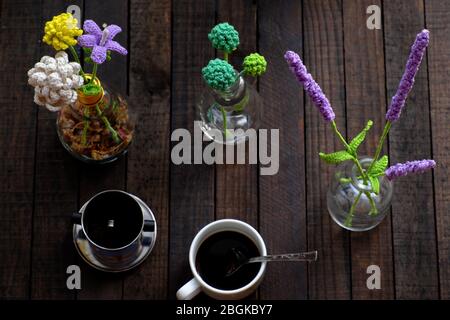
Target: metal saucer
(148, 242)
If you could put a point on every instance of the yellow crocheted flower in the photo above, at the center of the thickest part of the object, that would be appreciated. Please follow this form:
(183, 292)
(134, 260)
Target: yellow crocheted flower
(61, 31)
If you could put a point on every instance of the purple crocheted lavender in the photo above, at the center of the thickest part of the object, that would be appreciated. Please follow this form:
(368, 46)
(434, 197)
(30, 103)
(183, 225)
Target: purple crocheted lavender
(311, 87)
(407, 81)
(402, 169)
(100, 41)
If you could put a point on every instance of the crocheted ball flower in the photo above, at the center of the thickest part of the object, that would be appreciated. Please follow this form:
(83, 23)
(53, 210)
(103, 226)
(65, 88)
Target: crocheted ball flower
(224, 37)
(219, 74)
(254, 64)
(55, 81)
(61, 30)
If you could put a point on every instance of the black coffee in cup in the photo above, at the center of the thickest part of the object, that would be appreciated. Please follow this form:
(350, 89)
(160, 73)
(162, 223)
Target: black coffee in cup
(216, 256)
(113, 219)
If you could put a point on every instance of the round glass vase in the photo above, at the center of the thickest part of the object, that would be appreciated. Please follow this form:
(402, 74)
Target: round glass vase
(346, 186)
(227, 115)
(97, 128)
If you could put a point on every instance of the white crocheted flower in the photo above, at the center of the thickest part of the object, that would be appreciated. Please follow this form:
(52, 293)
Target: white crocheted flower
(55, 81)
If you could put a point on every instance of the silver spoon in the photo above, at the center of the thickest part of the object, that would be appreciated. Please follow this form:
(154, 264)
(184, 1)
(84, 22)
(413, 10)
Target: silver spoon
(241, 260)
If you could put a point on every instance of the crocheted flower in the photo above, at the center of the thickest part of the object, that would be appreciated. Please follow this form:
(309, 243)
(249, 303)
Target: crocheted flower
(407, 81)
(100, 41)
(55, 81)
(61, 31)
(311, 87)
(219, 74)
(224, 37)
(254, 64)
(402, 169)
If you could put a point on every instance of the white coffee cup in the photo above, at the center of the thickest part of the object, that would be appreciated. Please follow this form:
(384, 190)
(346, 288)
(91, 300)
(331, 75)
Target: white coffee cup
(197, 284)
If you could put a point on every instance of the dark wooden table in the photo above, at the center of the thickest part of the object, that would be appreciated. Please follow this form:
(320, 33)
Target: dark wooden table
(359, 69)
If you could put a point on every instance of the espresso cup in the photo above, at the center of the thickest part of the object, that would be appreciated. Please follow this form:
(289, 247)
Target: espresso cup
(197, 284)
(114, 231)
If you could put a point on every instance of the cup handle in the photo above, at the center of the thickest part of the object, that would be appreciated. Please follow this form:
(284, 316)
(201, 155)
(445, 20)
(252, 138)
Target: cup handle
(189, 290)
(76, 218)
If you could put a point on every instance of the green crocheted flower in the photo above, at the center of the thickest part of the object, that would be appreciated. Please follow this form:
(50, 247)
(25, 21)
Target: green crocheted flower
(224, 37)
(254, 64)
(219, 74)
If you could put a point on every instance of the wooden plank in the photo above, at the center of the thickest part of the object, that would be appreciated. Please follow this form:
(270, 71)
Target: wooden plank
(56, 190)
(236, 184)
(282, 196)
(148, 161)
(437, 19)
(416, 275)
(191, 186)
(366, 99)
(93, 179)
(17, 147)
(329, 278)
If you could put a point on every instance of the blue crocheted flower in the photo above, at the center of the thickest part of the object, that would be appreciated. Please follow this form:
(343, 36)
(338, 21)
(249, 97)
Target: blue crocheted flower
(254, 64)
(219, 74)
(224, 37)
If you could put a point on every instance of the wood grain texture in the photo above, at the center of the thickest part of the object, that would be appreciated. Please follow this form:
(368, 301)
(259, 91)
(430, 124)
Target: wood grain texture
(56, 190)
(358, 69)
(329, 277)
(236, 184)
(149, 157)
(437, 21)
(17, 146)
(282, 196)
(191, 186)
(416, 275)
(366, 99)
(93, 179)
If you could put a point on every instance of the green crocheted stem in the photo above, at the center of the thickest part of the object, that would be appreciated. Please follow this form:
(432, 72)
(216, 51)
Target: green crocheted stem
(349, 220)
(224, 117)
(384, 135)
(85, 127)
(94, 72)
(225, 56)
(105, 120)
(77, 60)
(347, 147)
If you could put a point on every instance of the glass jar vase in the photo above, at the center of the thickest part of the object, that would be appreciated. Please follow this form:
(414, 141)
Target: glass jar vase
(230, 112)
(96, 128)
(352, 203)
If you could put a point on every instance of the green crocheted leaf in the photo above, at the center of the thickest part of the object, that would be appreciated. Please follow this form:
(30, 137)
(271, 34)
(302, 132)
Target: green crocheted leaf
(375, 183)
(379, 167)
(356, 142)
(335, 157)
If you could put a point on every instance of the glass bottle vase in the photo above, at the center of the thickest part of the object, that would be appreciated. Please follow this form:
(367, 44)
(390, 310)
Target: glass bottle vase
(346, 186)
(227, 115)
(96, 128)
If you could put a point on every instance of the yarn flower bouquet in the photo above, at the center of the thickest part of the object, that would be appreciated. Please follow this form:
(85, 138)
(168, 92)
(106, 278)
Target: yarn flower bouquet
(230, 105)
(93, 123)
(361, 191)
